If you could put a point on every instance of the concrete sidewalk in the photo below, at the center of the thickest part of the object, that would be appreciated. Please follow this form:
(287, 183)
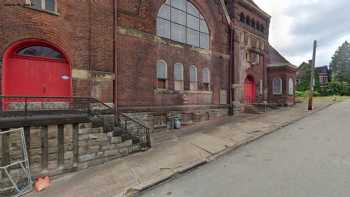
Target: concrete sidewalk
(178, 152)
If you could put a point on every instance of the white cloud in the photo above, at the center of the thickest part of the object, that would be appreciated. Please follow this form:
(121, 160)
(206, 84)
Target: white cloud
(296, 23)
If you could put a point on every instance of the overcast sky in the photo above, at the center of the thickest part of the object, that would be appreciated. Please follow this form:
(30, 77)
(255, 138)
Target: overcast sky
(296, 23)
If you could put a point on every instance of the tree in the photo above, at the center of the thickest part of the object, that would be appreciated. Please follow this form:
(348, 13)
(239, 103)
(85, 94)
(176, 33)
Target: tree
(340, 63)
(304, 78)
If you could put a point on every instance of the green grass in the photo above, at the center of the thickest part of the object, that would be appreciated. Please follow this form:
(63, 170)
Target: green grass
(324, 98)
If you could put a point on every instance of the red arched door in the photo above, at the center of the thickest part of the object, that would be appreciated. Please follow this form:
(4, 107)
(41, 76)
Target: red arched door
(249, 90)
(36, 69)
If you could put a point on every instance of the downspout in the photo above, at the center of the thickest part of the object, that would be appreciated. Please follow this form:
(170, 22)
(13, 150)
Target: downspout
(115, 56)
(231, 74)
(91, 83)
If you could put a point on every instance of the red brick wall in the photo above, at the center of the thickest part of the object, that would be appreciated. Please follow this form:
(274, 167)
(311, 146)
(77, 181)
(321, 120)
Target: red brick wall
(70, 30)
(140, 49)
(243, 32)
(85, 33)
(285, 74)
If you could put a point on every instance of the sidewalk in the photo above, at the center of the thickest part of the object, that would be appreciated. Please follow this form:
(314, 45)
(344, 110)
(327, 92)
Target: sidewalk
(179, 151)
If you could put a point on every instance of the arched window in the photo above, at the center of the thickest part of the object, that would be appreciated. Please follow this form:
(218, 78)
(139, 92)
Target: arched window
(179, 76)
(49, 5)
(257, 26)
(277, 86)
(247, 20)
(193, 78)
(162, 74)
(242, 17)
(206, 79)
(262, 28)
(291, 87)
(253, 23)
(180, 20)
(40, 51)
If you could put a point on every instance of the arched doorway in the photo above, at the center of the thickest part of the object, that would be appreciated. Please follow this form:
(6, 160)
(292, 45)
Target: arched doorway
(249, 90)
(36, 68)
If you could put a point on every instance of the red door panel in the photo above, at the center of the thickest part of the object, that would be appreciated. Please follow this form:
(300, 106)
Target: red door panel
(31, 77)
(249, 91)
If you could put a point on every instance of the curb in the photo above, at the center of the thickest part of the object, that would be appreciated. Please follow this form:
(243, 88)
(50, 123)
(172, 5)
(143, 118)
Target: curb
(137, 191)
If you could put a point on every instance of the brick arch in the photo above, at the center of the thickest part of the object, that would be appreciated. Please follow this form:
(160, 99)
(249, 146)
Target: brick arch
(11, 60)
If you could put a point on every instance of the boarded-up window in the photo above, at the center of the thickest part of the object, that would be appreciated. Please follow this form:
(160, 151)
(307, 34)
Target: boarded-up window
(277, 86)
(193, 78)
(223, 97)
(162, 74)
(178, 76)
(291, 87)
(206, 79)
(179, 20)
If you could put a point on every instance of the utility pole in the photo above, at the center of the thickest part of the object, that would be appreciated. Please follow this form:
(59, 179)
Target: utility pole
(312, 77)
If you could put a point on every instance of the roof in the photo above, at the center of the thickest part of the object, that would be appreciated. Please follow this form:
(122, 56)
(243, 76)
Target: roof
(322, 69)
(275, 59)
(252, 4)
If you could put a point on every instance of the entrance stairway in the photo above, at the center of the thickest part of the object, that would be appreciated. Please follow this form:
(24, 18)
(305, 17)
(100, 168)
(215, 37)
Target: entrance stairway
(259, 108)
(23, 111)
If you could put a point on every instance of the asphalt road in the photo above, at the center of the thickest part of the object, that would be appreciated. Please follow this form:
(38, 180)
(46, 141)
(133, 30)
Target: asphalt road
(310, 158)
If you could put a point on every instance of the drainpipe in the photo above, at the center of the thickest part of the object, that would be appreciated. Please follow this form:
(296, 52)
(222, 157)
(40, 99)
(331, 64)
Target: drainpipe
(231, 73)
(115, 56)
(90, 48)
(232, 70)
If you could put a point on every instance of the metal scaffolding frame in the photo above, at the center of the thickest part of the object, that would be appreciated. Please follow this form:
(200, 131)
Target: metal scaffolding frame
(17, 189)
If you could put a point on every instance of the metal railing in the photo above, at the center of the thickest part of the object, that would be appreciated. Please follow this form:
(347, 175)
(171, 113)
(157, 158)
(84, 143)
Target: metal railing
(25, 106)
(136, 128)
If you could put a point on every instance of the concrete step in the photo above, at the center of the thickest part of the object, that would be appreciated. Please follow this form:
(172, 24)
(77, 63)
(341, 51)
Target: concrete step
(250, 109)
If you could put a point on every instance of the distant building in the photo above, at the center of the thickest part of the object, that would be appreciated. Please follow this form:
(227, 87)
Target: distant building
(324, 74)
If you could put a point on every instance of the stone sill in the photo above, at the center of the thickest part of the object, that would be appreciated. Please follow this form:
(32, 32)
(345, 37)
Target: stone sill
(44, 11)
(133, 109)
(165, 91)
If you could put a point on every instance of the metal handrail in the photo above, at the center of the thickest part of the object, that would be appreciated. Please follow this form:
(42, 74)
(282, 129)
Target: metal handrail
(78, 104)
(146, 136)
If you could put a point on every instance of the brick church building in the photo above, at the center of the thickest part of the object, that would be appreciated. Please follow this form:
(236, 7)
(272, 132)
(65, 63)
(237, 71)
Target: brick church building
(155, 63)
(154, 59)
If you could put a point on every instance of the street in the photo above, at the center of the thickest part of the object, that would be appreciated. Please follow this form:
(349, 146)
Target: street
(308, 158)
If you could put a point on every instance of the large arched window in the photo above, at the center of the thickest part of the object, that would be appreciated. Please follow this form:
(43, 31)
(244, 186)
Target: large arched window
(180, 20)
(179, 76)
(291, 87)
(277, 86)
(162, 74)
(193, 78)
(206, 79)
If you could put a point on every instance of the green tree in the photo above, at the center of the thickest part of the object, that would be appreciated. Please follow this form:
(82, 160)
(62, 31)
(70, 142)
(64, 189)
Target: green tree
(304, 78)
(340, 63)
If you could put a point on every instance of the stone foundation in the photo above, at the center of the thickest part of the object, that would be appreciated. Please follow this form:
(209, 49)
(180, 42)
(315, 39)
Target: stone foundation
(160, 121)
(56, 149)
